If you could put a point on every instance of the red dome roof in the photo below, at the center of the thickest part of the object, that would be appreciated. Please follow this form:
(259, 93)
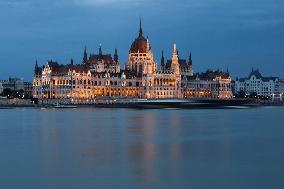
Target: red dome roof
(139, 45)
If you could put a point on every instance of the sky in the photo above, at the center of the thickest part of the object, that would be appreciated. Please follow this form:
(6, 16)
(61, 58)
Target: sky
(234, 34)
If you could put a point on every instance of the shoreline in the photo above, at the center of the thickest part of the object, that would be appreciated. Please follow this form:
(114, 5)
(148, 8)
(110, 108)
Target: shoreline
(143, 103)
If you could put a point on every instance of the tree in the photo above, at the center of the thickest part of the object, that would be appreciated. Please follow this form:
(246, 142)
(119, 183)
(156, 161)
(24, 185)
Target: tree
(18, 94)
(253, 95)
(7, 92)
(241, 94)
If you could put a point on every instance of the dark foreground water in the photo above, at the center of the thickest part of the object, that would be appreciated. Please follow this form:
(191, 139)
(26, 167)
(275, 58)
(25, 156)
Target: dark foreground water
(120, 148)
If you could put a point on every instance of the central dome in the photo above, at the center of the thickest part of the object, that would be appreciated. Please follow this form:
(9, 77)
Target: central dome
(139, 45)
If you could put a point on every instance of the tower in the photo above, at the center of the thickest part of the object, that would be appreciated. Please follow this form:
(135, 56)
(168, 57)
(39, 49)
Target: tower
(175, 61)
(140, 57)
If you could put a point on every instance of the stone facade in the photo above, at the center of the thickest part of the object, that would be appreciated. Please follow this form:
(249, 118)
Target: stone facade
(281, 86)
(13, 83)
(28, 89)
(211, 84)
(255, 82)
(100, 75)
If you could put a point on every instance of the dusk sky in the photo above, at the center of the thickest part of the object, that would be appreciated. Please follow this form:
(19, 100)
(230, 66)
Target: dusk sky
(233, 34)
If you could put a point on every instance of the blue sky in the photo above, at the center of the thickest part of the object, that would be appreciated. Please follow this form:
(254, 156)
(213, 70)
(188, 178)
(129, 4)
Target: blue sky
(234, 34)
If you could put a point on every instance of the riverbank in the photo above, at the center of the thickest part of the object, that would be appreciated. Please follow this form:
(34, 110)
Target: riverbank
(4, 102)
(140, 103)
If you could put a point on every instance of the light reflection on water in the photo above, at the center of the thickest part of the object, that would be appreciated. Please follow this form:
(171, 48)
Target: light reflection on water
(120, 148)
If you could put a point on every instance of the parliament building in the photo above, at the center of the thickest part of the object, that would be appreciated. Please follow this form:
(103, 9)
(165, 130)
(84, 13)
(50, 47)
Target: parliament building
(100, 75)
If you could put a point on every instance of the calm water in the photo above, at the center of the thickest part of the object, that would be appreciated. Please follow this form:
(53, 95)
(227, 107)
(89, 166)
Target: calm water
(120, 148)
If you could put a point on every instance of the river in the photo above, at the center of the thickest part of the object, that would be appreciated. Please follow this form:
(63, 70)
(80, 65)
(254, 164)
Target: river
(123, 148)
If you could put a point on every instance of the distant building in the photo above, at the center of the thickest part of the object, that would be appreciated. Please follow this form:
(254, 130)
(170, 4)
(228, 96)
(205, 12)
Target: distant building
(17, 84)
(255, 82)
(1, 88)
(99, 75)
(28, 89)
(13, 83)
(281, 86)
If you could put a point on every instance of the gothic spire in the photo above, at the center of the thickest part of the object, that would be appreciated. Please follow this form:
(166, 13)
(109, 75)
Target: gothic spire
(163, 60)
(100, 50)
(36, 68)
(115, 56)
(71, 61)
(175, 48)
(36, 65)
(85, 56)
(140, 29)
(175, 52)
(148, 44)
(175, 61)
(190, 59)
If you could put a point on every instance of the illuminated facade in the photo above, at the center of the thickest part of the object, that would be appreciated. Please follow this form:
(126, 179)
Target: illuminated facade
(256, 83)
(100, 75)
(211, 84)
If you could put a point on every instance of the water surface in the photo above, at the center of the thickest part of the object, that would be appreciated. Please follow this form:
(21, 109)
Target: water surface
(121, 148)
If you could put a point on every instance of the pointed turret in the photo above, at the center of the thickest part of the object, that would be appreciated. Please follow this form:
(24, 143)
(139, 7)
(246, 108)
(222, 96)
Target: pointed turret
(115, 57)
(148, 45)
(175, 48)
(100, 50)
(36, 69)
(162, 60)
(175, 53)
(85, 56)
(72, 62)
(190, 59)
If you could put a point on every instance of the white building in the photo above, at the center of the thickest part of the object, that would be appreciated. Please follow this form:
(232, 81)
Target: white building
(255, 82)
(281, 86)
(13, 83)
